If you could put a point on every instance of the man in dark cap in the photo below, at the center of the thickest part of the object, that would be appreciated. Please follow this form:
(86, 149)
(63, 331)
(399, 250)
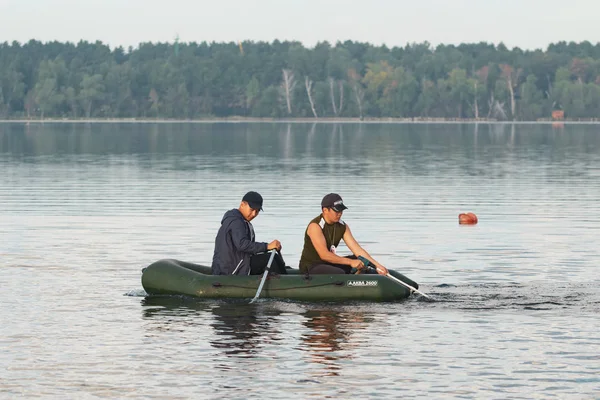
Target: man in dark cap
(322, 237)
(235, 245)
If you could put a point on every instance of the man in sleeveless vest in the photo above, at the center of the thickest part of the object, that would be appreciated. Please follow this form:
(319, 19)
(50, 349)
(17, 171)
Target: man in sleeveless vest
(322, 237)
(235, 245)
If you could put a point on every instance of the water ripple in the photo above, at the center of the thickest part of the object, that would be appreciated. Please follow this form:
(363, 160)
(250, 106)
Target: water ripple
(85, 207)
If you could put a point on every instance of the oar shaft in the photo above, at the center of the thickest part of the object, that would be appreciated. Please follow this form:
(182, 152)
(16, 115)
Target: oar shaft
(407, 285)
(264, 277)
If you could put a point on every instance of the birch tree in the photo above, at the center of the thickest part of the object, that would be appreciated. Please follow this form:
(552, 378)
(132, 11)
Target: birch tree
(287, 87)
(308, 84)
(337, 108)
(511, 76)
(332, 95)
(479, 84)
(341, 92)
(359, 93)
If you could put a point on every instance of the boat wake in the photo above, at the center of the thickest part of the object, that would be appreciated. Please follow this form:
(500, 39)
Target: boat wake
(543, 296)
(489, 296)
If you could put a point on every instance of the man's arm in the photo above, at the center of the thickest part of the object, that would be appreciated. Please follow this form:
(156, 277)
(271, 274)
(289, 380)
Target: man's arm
(357, 250)
(318, 240)
(242, 242)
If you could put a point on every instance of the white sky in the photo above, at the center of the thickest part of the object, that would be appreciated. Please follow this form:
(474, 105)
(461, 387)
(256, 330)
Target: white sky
(528, 24)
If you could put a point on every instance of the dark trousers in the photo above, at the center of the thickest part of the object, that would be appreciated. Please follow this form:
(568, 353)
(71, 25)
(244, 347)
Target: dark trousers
(258, 264)
(332, 269)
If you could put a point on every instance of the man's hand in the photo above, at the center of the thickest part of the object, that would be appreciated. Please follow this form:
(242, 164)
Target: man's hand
(357, 264)
(381, 270)
(275, 244)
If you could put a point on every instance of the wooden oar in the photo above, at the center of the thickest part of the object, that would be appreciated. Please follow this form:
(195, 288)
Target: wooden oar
(264, 277)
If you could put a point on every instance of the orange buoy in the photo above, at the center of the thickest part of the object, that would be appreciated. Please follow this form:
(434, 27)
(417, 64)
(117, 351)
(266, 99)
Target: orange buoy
(467, 218)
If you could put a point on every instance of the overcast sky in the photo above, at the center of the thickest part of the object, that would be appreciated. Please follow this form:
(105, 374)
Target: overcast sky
(528, 24)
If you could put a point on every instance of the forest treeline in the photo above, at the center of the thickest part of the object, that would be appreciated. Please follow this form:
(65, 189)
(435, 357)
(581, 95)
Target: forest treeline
(287, 80)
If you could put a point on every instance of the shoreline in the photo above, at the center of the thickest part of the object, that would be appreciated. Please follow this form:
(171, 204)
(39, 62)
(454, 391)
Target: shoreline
(291, 121)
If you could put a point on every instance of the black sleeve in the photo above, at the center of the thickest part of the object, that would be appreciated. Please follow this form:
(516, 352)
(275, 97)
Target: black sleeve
(241, 240)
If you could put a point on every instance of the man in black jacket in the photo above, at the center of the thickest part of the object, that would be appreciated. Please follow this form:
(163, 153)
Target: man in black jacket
(235, 243)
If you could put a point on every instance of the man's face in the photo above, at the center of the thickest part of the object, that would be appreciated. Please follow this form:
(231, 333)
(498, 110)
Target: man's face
(332, 215)
(248, 212)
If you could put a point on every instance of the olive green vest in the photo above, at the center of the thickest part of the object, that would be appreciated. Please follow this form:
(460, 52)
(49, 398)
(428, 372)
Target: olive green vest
(333, 235)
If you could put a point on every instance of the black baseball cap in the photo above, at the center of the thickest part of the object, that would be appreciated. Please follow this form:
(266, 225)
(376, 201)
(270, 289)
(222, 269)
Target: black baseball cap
(334, 201)
(254, 200)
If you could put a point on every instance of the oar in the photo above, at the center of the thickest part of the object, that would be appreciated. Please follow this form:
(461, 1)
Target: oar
(264, 277)
(366, 262)
(407, 285)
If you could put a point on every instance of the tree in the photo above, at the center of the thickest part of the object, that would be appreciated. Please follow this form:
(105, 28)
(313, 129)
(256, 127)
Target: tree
(479, 87)
(177, 102)
(195, 80)
(92, 90)
(308, 84)
(400, 95)
(332, 94)
(252, 92)
(287, 88)
(153, 98)
(582, 69)
(359, 93)
(511, 76)
(47, 93)
(268, 104)
(72, 98)
(427, 100)
(118, 95)
(337, 66)
(531, 102)
(461, 89)
(496, 107)
(12, 88)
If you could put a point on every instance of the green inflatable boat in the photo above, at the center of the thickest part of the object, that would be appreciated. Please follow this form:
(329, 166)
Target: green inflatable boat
(173, 277)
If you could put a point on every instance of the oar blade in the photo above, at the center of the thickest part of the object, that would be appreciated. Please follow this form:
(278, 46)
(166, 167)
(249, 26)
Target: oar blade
(264, 277)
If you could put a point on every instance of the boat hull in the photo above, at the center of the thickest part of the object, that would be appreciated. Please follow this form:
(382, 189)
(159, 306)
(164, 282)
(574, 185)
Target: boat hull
(174, 277)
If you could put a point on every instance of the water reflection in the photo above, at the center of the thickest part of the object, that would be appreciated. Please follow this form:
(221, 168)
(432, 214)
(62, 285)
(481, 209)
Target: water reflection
(172, 313)
(287, 141)
(109, 198)
(330, 337)
(241, 329)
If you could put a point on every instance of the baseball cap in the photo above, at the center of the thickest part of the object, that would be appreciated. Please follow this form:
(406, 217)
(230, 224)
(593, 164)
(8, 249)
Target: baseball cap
(333, 200)
(254, 200)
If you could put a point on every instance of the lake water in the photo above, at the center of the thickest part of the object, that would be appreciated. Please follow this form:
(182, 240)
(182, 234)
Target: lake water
(83, 208)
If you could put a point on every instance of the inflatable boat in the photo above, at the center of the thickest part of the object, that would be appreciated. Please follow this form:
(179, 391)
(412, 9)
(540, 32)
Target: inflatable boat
(174, 277)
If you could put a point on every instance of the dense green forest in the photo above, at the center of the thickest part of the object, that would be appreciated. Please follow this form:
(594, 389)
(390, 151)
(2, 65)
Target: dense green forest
(288, 80)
